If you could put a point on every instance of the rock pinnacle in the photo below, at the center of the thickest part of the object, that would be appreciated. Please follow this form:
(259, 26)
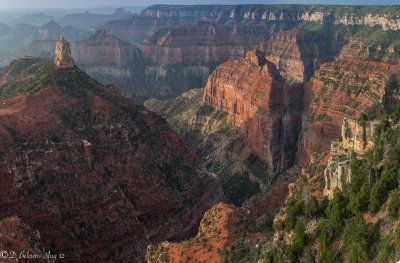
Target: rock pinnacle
(63, 57)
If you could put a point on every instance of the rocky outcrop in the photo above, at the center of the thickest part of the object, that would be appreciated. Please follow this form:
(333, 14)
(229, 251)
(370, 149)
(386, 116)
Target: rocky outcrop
(356, 137)
(257, 101)
(203, 42)
(63, 57)
(339, 89)
(296, 53)
(99, 176)
(337, 174)
(221, 226)
(105, 58)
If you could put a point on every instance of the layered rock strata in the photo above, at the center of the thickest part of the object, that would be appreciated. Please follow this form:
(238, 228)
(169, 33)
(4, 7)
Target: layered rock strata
(203, 42)
(333, 15)
(339, 89)
(257, 101)
(296, 53)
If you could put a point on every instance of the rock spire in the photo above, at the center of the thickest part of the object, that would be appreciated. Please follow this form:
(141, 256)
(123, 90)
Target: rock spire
(63, 57)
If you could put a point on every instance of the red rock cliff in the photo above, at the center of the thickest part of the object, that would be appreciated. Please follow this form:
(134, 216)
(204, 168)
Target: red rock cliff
(266, 110)
(296, 53)
(339, 89)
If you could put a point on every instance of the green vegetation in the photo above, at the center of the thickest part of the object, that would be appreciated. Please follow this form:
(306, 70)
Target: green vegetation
(257, 167)
(238, 188)
(27, 79)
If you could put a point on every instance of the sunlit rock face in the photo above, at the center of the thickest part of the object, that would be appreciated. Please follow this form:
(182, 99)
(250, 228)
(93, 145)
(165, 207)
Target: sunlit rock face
(63, 56)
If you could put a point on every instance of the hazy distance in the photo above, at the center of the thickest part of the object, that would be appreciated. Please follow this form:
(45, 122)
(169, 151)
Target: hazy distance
(40, 4)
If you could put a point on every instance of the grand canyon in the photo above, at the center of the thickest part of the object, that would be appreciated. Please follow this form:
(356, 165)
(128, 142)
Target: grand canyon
(201, 133)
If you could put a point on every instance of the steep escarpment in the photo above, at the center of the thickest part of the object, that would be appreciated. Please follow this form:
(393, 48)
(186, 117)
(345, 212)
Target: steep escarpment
(102, 46)
(137, 28)
(339, 89)
(203, 42)
(111, 60)
(296, 53)
(184, 56)
(218, 145)
(257, 101)
(99, 176)
(384, 16)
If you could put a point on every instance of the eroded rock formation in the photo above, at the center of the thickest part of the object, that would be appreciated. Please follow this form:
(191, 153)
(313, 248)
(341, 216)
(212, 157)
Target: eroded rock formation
(356, 137)
(257, 101)
(296, 53)
(337, 174)
(63, 56)
(221, 226)
(339, 89)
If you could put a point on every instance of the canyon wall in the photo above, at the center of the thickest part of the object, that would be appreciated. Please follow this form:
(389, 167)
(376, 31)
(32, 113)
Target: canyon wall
(337, 15)
(258, 102)
(203, 42)
(339, 89)
(296, 53)
(102, 47)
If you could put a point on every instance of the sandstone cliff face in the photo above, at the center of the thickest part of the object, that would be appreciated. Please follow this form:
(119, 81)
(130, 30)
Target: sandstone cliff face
(356, 136)
(296, 53)
(339, 89)
(94, 172)
(336, 175)
(203, 42)
(267, 111)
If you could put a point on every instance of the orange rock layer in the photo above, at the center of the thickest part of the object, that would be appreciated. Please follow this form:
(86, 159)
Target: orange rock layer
(339, 89)
(266, 110)
(296, 53)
